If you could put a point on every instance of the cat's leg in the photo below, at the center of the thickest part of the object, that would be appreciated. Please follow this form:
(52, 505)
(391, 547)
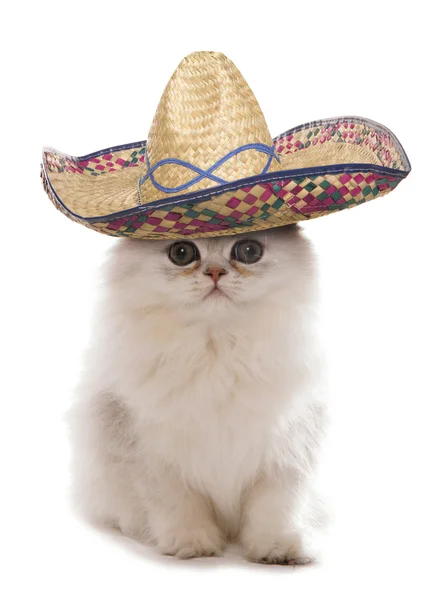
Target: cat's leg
(181, 519)
(271, 529)
(105, 466)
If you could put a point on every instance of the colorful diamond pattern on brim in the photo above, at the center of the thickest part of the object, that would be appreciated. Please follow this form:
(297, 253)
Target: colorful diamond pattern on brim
(97, 165)
(242, 209)
(252, 208)
(311, 195)
(346, 132)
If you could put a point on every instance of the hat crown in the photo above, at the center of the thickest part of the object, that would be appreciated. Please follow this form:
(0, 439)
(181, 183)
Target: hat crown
(207, 111)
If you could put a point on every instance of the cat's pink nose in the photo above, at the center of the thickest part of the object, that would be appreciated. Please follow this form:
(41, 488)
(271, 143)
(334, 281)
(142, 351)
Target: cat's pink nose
(215, 272)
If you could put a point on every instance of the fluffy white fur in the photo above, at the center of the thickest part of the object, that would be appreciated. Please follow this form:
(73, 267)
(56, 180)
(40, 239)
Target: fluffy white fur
(198, 418)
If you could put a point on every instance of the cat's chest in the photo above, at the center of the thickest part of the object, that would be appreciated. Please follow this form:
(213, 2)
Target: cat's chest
(205, 373)
(218, 449)
(209, 407)
(215, 397)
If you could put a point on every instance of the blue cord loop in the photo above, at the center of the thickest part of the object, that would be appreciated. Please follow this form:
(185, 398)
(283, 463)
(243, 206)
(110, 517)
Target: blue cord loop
(204, 174)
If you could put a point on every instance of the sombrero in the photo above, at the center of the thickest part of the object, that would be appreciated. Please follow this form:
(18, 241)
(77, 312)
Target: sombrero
(209, 166)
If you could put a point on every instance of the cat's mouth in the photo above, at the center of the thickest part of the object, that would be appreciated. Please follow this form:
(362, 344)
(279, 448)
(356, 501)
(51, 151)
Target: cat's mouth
(216, 293)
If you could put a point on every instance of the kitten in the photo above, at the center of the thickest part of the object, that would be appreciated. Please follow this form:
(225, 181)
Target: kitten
(198, 419)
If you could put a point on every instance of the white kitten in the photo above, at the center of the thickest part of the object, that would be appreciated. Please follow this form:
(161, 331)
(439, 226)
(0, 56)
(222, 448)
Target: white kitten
(198, 419)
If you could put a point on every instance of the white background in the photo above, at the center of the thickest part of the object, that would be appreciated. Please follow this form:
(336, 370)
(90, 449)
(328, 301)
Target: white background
(82, 76)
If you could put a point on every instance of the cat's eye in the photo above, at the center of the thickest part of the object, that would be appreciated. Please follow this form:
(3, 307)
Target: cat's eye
(183, 253)
(247, 251)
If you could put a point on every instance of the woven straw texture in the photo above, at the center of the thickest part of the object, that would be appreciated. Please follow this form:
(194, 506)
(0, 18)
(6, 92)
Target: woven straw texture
(207, 111)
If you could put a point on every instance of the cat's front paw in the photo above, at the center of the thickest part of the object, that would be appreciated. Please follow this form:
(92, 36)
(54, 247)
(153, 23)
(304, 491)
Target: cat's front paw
(276, 550)
(192, 542)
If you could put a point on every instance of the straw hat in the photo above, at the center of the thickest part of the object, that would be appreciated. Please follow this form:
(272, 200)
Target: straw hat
(210, 167)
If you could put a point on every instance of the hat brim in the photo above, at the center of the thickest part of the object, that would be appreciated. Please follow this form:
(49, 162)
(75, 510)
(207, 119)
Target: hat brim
(326, 166)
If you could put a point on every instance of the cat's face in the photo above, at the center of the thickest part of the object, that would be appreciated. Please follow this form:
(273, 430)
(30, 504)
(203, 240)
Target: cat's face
(212, 276)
